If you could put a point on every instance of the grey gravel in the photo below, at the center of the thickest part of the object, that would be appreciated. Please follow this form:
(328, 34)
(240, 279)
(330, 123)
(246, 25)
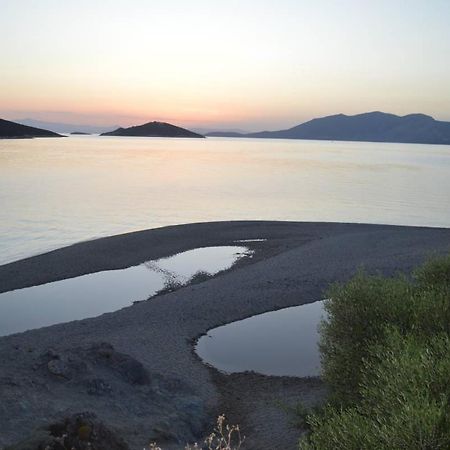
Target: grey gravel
(155, 387)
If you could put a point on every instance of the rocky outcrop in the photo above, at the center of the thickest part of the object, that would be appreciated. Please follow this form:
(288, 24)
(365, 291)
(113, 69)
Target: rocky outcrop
(83, 364)
(113, 388)
(83, 431)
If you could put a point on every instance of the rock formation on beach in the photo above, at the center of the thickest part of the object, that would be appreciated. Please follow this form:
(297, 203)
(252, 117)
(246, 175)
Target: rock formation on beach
(154, 129)
(13, 130)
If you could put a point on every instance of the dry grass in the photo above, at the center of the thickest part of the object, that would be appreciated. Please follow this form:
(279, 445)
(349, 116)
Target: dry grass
(223, 437)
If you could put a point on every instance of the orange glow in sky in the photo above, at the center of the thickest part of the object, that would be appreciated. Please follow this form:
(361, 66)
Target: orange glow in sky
(252, 65)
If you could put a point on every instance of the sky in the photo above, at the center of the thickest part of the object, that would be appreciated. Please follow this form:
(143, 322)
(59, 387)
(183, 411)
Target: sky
(247, 64)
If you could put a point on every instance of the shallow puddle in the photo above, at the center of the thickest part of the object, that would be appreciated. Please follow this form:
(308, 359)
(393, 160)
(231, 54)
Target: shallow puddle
(283, 342)
(101, 292)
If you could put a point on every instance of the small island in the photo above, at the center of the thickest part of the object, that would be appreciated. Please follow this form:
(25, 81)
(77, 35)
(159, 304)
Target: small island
(154, 129)
(13, 130)
(80, 133)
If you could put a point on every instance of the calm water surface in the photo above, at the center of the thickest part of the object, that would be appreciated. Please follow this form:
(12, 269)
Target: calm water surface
(94, 294)
(283, 342)
(54, 192)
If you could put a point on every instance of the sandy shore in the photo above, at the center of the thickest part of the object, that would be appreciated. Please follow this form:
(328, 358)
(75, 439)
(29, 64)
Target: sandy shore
(154, 387)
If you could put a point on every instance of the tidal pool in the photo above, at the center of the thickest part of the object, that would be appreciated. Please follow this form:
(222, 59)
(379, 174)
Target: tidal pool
(97, 293)
(282, 343)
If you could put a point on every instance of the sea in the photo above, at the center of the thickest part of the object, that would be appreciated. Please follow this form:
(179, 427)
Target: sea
(58, 191)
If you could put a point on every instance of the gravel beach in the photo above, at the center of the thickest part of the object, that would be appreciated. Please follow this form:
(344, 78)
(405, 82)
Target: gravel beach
(135, 368)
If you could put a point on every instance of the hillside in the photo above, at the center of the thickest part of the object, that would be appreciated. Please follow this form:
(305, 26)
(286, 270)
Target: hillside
(372, 127)
(154, 129)
(13, 130)
(66, 128)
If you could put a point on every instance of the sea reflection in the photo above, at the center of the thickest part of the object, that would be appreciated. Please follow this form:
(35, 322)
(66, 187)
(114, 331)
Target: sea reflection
(57, 192)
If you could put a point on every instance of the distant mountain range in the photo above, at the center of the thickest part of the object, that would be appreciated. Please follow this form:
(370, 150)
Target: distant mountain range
(206, 131)
(231, 134)
(66, 128)
(154, 129)
(372, 127)
(13, 130)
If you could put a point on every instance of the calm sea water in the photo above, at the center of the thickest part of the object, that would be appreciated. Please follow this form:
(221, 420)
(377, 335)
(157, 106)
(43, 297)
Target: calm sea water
(54, 192)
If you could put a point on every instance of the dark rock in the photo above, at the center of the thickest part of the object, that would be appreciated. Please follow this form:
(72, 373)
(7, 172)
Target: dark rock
(77, 363)
(96, 376)
(103, 349)
(51, 354)
(65, 366)
(97, 386)
(59, 368)
(126, 366)
(83, 431)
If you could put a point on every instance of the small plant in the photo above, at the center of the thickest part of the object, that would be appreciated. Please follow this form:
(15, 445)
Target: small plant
(170, 285)
(153, 446)
(223, 437)
(199, 277)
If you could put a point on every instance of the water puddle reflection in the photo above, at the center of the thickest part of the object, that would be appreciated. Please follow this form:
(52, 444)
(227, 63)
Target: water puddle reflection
(283, 342)
(101, 292)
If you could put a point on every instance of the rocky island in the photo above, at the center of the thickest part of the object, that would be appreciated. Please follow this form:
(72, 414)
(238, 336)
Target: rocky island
(154, 129)
(13, 130)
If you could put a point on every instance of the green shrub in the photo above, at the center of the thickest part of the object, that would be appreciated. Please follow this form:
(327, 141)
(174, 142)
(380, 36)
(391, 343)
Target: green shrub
(358, 312)
(405, 400)
(386, 356)
(356, 315)
(435, 272)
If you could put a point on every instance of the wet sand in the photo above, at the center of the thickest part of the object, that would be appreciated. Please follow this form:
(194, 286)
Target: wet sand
(294, 266)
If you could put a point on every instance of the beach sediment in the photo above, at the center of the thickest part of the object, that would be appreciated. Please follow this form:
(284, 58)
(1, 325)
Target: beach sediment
(178, 395)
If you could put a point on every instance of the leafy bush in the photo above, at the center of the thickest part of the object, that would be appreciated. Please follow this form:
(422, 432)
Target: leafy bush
(404, 401)
(386, 357)
(358, 312)
(435, 272)
(356, 315)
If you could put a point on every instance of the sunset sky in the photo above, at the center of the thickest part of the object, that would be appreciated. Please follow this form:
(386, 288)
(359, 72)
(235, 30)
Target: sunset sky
(249, 64)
